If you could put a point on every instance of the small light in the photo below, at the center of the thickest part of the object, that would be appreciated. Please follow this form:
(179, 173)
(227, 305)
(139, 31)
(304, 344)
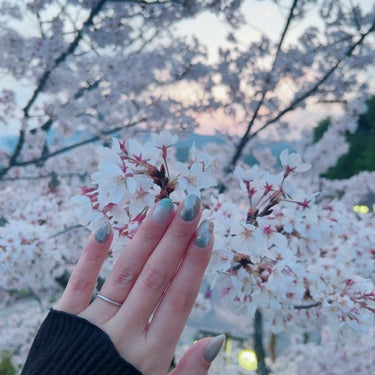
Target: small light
(361, 209)
(247, 359)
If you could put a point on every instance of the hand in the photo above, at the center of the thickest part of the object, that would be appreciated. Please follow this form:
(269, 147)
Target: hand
(155, 282)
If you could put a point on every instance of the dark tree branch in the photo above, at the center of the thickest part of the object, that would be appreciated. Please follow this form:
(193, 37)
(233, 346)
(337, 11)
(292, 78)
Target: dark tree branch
(67, 230)
(262, 369)
(48, 124)
(45, 127)
(306, 307)
(40, 26)
(45, 77)
(81, 176)
(298, 100)
(245, 137)
(44, 158)
(337, 101)
(70, 50)
(89, 87)
(317, 85)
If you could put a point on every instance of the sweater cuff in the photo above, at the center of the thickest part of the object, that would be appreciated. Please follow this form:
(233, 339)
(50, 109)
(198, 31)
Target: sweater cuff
(69, 344)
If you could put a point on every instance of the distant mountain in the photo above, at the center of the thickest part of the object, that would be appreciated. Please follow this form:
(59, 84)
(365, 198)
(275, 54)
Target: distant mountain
(183, 146)
(184, 143)
(275, 147)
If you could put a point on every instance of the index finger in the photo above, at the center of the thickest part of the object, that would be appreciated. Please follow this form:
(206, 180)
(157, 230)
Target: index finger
(82, 281)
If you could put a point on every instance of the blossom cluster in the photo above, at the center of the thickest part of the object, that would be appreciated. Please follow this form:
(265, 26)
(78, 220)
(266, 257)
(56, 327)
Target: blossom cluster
(38, 237)
(277, 248)
(328, 356)
(132, 176)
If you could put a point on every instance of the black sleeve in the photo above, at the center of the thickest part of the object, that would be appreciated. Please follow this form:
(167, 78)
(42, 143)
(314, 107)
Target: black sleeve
(68, 344)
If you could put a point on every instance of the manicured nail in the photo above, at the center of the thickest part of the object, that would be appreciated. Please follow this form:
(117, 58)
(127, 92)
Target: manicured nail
(190, 208)
(213, 348)
(204, 233)
(162, 211)
(103, 232)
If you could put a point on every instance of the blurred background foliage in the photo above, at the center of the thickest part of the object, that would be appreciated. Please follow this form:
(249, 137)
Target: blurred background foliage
(6, 367)
(361, 155)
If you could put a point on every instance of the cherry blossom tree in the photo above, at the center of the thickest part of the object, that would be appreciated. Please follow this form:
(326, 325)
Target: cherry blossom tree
(266, 80)
(79, 72)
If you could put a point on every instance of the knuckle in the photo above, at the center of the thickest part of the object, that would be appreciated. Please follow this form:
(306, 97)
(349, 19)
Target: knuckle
(77, 283)
(179, 234)
(94, 255)
(124, 276)
(154, 279)
(195, 258)
(182, 302)
(147, 235)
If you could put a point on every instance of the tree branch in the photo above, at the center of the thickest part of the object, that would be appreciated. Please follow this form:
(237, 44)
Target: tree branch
(262, 369)
(46, 75)
(45, 127)
(72, 47)
(316, 86)
(43, 159)
(245, 137)
(77, 226)
(305, 307)
(81, 176)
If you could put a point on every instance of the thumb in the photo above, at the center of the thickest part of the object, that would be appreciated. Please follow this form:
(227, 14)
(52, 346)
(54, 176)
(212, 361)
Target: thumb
(198, 358)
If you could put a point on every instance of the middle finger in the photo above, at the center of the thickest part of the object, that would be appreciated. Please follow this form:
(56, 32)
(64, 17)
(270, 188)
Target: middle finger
(158, 271)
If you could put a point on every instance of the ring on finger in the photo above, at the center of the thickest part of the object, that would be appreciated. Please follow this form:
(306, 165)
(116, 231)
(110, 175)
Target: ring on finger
(106, 299)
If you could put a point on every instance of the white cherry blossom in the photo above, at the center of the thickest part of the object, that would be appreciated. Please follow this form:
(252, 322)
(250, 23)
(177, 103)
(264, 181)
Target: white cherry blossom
(163, 139)
(293, 162)
(111, 183)
(192, 179)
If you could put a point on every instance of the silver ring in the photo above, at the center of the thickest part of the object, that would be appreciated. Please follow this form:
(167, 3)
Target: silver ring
(106, 299)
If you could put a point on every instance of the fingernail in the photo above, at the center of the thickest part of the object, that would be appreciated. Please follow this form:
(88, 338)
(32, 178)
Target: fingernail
(213, 348)
(162, 211)
(103, 232)
(204, 233)
(190, 208)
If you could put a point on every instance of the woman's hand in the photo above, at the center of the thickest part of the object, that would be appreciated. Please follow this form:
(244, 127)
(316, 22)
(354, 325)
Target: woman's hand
(150, 291)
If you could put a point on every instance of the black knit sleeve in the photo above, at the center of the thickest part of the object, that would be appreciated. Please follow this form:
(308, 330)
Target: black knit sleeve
(68, 344)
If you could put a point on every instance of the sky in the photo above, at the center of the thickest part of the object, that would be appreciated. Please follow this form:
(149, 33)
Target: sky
(213, 31)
